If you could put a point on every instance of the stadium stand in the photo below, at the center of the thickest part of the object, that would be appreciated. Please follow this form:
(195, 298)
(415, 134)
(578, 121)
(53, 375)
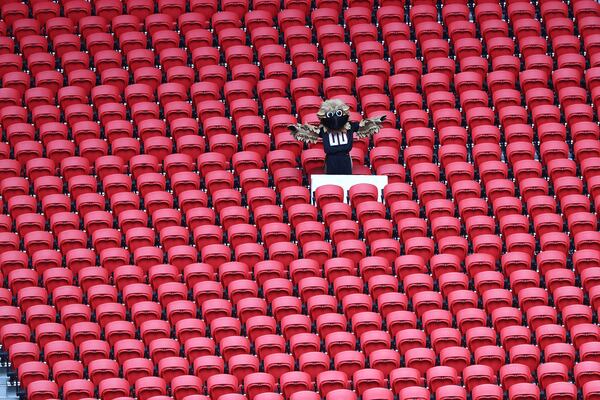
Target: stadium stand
(159, 239)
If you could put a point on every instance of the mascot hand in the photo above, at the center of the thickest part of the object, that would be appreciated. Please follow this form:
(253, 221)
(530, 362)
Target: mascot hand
(292, 128)
(383, 118)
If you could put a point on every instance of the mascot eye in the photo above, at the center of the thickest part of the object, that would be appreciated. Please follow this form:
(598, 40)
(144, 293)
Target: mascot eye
(338, 113)
(329, 114)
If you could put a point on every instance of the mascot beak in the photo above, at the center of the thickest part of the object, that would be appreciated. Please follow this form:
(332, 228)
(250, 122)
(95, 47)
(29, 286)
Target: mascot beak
(335, 119)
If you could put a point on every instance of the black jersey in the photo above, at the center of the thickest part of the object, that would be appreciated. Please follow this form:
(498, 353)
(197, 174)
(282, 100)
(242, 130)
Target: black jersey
(338, 142)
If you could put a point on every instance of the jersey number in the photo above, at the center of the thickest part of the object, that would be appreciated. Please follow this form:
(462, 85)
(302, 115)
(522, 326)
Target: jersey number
(337, 139)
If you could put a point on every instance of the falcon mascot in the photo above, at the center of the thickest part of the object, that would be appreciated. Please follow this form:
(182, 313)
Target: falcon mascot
(337, 132)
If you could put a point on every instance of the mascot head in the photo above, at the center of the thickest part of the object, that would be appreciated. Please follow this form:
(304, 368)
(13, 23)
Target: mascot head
(334, 114)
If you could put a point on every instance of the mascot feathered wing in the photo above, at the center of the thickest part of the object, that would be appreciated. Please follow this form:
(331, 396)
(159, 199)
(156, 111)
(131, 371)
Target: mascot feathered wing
(369, 126)
(305, 133)
(334, 117)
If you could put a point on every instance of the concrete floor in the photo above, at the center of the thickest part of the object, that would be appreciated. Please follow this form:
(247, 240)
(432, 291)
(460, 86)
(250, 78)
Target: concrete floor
(7, 390)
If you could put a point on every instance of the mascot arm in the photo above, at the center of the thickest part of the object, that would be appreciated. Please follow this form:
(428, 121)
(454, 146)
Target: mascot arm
(369, 126)
(305, 133)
